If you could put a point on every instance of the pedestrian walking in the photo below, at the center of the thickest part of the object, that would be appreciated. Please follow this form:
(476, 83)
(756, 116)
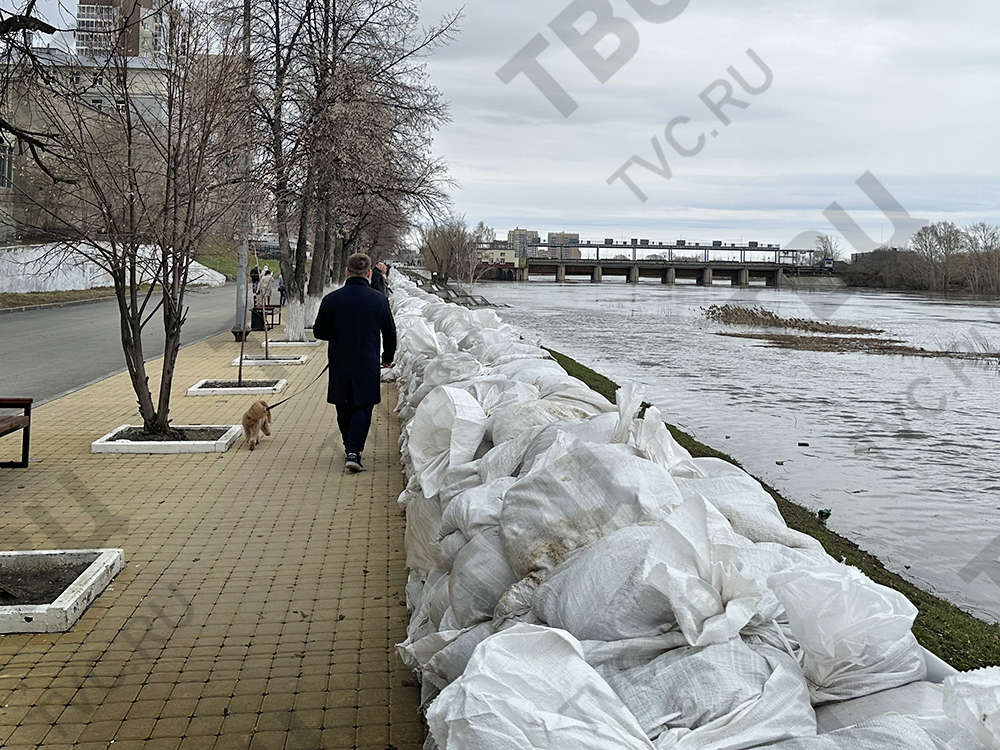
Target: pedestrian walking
(354, 319)
(378, 282)
(281, 290)
(255, 277)
(264, 289)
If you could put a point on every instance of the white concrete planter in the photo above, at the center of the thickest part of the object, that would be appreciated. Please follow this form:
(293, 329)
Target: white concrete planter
(291, 343)
(272, 361)
(199, 389)
(108, 444)
(66, 609)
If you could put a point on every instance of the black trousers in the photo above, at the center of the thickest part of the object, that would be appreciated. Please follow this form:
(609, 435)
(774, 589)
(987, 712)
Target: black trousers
(354, 422)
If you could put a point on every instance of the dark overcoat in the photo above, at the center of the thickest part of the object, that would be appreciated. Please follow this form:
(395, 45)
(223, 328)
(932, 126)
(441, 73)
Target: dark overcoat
(352, 320)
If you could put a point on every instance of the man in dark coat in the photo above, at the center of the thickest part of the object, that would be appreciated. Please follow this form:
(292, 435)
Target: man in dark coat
(352, 320)
(378, 279)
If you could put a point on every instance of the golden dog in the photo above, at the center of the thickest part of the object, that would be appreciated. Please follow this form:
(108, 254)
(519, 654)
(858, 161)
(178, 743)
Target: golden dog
(256, 420)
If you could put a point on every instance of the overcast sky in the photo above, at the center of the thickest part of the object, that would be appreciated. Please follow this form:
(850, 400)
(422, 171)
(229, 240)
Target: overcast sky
(909, 92)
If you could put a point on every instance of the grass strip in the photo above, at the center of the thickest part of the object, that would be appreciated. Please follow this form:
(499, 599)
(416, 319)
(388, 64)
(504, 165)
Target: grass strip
(9, 300)
(962, 640)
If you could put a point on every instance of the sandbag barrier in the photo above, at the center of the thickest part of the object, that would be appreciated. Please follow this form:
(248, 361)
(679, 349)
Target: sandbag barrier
(578, 580)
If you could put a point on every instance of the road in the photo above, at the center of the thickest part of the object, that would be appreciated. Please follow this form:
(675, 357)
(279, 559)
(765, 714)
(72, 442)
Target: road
(49, 352)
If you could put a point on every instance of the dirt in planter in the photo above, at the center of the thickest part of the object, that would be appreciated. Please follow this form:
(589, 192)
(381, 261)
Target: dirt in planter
(237, 384)
(175, 435)
(38, 587)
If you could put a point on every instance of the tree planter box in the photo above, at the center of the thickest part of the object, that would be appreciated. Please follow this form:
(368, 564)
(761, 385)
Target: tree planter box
(272, 361)
(108, 443)
(201, 389)
(290, 343)
(67, 607)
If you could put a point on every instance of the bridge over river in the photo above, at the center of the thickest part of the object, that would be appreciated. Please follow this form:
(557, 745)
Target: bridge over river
(703, 272)
(739, 265)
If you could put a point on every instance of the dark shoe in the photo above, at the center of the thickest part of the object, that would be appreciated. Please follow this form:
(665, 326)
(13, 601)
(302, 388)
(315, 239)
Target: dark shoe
(354, 463)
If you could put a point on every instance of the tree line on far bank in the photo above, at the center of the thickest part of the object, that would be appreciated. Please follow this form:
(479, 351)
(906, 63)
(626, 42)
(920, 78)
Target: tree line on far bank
(940, 257)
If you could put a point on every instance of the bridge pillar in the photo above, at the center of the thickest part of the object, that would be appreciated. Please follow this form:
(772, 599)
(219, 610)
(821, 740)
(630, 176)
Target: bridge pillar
(633, 275)
(522, 273)
(561, 273)
(669, 276)
(779, 279)
(706, 277)
(595, 275)
(742, 279)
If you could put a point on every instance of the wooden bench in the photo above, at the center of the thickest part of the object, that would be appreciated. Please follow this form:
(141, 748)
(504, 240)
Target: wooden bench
(13, 423)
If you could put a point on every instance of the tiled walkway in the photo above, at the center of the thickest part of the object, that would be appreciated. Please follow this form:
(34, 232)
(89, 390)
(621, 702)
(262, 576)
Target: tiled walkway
(263, 591)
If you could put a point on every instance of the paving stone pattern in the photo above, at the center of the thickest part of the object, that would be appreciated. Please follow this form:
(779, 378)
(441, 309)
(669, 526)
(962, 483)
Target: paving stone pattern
(263, 591)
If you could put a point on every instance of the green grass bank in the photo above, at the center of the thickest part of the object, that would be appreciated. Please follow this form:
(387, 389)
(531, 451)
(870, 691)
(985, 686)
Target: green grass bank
(962, 640)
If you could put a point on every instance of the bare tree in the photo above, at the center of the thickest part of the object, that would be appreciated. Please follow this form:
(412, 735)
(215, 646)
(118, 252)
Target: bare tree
(146, 150)
(940, 246)
(449, 248)
(982, 242)
(348, 115)
(827, 246)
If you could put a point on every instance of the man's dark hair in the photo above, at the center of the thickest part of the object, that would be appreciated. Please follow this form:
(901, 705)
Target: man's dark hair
(358, 264)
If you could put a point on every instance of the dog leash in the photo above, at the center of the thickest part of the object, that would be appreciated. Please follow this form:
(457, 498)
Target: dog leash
(285, 401)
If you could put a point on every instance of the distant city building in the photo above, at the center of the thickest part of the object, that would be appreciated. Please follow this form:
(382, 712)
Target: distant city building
(570, 242)
(98, 23)
(522, 239)
(496, 252)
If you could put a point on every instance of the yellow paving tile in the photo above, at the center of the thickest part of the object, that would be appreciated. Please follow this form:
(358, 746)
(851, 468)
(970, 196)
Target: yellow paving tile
(260, 602)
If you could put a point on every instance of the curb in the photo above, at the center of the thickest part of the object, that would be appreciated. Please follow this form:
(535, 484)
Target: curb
(71, 303)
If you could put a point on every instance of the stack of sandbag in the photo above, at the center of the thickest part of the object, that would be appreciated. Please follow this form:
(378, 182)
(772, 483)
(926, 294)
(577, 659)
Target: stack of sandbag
(578, 580)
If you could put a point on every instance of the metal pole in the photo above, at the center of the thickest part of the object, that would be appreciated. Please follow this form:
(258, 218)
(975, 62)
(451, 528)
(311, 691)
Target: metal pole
(243, 256)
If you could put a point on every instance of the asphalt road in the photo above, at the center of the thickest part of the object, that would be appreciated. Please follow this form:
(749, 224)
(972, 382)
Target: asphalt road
(46, 353)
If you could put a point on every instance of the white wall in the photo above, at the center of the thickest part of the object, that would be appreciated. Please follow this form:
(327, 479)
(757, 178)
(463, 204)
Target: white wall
(41, 268)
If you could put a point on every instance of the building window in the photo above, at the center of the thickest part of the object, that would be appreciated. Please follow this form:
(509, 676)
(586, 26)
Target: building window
(97, 104)
(95, 25)
(6, 166)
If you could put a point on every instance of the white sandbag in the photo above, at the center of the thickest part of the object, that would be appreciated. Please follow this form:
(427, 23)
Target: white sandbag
(526, 370)
(421, 340)
(450, 545)
(924, 699)
(748, 507)
(761, 561)
(600, 593)
(651, 436)
(432, 601)
(448, 664)
(693, 561)
(446, 369)
(972, 699)
(563, 388)
(416, 654)
(611, 657)
(513, 420)
(597, 429)
(718, 696)
(578, 499)
(528, 688)
(889, 732)
(480, 576)
(628, 399)
(477, 508)
(504, 461)
(446, 430)
(423, 522)
(855, 634)
(492, 391)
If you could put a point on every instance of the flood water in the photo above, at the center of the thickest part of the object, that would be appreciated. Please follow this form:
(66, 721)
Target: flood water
(904, 451)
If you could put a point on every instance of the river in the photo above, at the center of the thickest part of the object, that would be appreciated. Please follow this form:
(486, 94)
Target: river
(903, 450)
